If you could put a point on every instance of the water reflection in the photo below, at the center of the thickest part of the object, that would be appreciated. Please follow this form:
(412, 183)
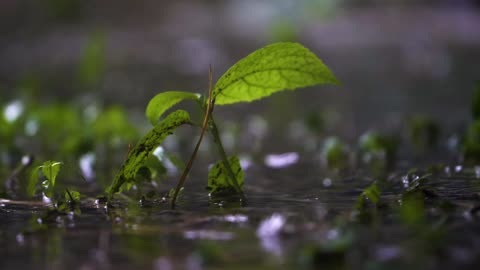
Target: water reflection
(281, 160)
(13, 111)
(269, 233)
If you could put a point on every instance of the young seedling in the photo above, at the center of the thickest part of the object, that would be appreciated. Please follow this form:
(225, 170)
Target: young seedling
(277, 67)
(50, 170)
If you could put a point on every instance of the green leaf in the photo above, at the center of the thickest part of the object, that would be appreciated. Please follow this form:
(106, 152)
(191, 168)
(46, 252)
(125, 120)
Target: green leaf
(50, 170)
(144, 148)
(72, 196)
(32, 182)
(219, 182)
(164, 101)
(276, 67)
(412, 209)
(371, 193)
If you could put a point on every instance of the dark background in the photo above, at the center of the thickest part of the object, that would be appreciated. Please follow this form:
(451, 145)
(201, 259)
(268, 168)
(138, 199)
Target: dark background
(395, 58)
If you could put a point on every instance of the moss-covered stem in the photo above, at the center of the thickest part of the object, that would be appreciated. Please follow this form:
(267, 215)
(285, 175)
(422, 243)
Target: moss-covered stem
(218, 142)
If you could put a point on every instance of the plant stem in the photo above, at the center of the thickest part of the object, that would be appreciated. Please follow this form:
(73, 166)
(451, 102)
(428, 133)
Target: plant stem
(197, 146)
(226, 164)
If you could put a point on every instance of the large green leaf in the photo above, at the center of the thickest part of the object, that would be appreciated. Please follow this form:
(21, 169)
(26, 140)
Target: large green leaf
(277, 67)
(144, 148)
(164, 101)
(219, 181)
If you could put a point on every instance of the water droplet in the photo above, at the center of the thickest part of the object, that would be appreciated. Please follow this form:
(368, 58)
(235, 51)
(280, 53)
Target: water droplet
(271, 226)
(281, 160)
(235, 218)
(86, 163)
(13, 110)
(208, 234)
(20, 239)
(245, 163)
(477, 171)
(31, 127)
(327, 182)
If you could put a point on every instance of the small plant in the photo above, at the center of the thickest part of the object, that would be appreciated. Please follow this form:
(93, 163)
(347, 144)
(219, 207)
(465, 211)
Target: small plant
(277, 67)
(49, 170)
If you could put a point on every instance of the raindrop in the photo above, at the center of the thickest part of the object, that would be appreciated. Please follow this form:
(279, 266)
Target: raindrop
(208, 234)
(268, 232)
(20, 239)
(235, 218)
(13, 110)
(281, 160)
(245, 163)
(271, 226)
(27, 160)
(327, 182)
(477, 171)
(86, 163)
(31, 127)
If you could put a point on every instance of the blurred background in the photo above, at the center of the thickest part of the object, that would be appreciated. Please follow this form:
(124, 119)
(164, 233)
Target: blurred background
(395, 58)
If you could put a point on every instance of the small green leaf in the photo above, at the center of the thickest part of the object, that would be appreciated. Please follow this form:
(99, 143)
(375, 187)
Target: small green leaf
(219, 181)
(164, 101)
(50, 170)
(279, 66)
(371, 193)
(144, 148)
(32, 182)
(412, 209)
(72, 196)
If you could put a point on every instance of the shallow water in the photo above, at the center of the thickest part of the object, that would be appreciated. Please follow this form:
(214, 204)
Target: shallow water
(284, 225)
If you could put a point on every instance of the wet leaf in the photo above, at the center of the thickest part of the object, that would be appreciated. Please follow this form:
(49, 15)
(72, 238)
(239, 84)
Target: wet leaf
(32, 182)
(144, 148)
(279, 66)
(72, 196)
(50, 170)
(219, 182)
(371, 193)
(164, 101)
(335, 153)
(412, 209)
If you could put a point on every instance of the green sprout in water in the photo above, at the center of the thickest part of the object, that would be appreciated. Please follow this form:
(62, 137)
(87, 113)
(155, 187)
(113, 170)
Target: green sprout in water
(277, 67)
(49, 170)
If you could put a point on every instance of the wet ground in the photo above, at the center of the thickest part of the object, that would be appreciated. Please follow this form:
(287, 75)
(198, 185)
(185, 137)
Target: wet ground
(296, 217)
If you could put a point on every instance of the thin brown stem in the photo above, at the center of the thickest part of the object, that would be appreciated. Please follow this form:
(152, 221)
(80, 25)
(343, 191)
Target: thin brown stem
(182, 179)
